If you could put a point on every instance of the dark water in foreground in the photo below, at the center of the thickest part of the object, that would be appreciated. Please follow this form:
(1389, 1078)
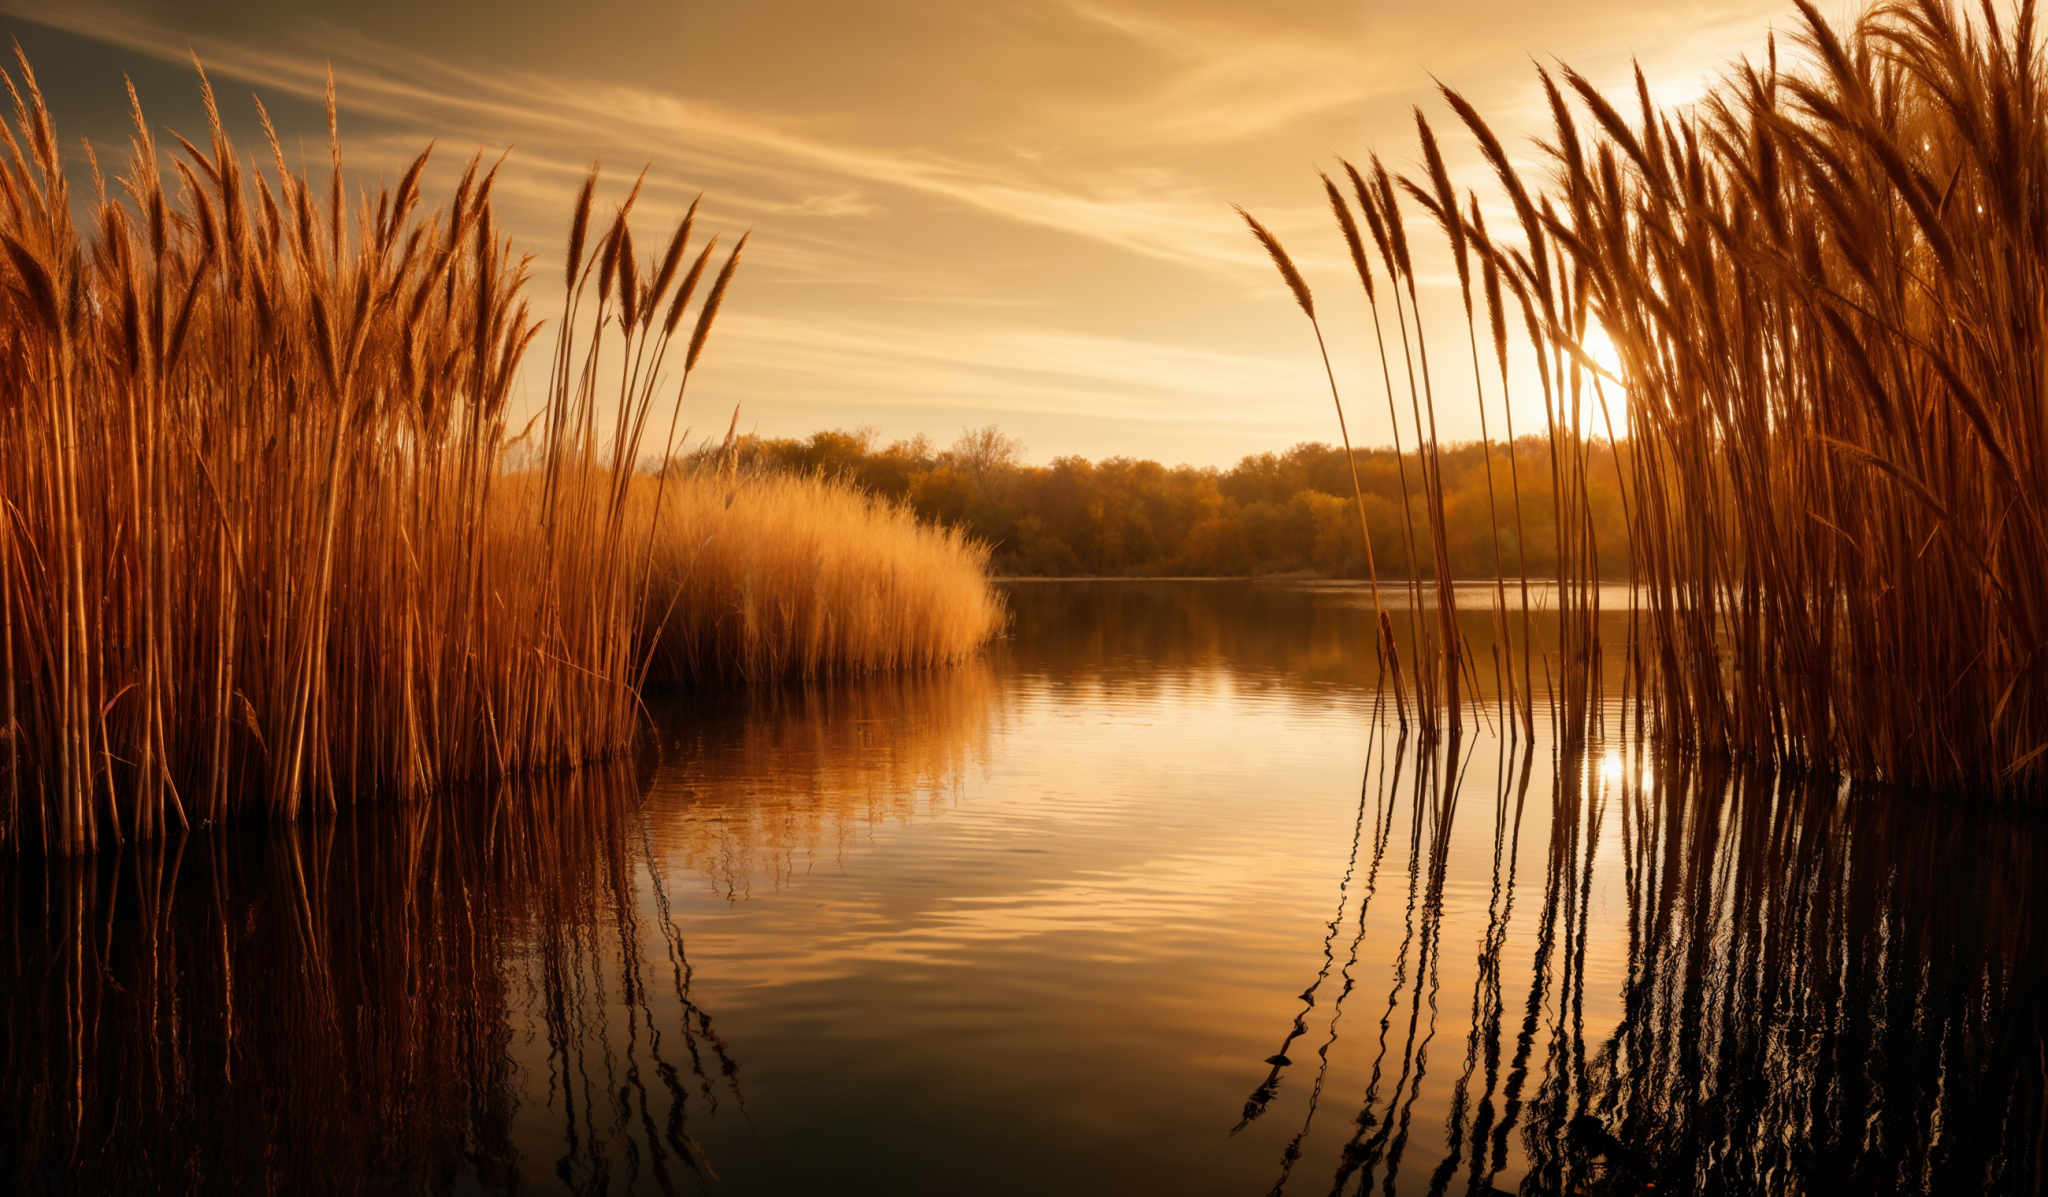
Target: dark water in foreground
(1151, 901)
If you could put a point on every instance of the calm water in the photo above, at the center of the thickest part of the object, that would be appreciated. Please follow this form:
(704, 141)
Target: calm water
(1152, 900)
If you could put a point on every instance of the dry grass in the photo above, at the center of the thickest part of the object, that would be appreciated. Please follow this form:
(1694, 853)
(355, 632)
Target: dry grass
(252, 548)
(779, 576)
(1824, 283)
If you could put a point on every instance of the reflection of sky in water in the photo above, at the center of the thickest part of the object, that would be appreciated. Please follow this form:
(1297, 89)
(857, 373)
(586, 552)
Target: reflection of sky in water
(1038, 932)
(1056, 923)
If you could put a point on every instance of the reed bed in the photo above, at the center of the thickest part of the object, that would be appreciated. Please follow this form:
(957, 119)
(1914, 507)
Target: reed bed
(777, 576)
(1823, 282)
(254, 553)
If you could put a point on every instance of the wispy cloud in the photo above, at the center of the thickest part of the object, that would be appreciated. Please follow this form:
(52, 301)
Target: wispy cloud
(547, 116)
(1018, 210)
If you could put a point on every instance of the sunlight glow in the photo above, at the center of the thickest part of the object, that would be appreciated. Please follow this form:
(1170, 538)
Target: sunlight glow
(1600, 347)
(1614, 772)
(1611, 767)
(1612, 388)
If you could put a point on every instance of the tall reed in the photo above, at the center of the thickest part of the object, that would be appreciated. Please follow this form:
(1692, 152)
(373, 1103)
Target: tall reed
(1823, 283)
(253, 553)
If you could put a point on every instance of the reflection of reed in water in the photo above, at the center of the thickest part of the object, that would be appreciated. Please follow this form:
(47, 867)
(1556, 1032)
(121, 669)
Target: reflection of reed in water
(764, 783)
(1382, 826)
(1821, 994)
(1825, 993)
(1380, 1132)
(1487, 1009)
(334, 1006)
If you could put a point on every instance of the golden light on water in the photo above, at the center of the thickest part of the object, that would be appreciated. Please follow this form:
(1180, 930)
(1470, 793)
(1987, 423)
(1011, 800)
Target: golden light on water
(1611, 767)
(1614, 771)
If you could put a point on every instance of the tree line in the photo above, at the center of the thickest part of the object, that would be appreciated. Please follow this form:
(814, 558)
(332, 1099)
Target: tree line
(1291, 512)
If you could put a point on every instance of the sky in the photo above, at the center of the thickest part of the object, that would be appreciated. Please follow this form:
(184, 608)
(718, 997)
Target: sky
(1015, 213)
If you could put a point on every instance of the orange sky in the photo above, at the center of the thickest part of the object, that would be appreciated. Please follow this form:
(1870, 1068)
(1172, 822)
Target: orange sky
(964, 213)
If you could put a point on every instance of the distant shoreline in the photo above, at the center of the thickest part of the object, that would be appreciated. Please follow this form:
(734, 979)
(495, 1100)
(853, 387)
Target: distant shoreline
(1461, 583)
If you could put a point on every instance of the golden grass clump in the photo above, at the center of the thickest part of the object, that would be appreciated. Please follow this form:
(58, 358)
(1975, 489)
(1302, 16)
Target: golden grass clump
(254, 552)
(1824, 283)
(773, 576)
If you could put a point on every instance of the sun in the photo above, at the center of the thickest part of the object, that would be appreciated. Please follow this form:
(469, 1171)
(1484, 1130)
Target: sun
(1599, 346)
(1611, 383)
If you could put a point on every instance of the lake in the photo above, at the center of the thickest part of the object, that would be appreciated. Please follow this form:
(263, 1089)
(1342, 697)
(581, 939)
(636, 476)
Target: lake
(1155, 898)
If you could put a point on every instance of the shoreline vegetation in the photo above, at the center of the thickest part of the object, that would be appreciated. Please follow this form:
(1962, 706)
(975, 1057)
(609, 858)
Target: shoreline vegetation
(1822, 283)
(1271, 514)
(265, 541)
(760, 578)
